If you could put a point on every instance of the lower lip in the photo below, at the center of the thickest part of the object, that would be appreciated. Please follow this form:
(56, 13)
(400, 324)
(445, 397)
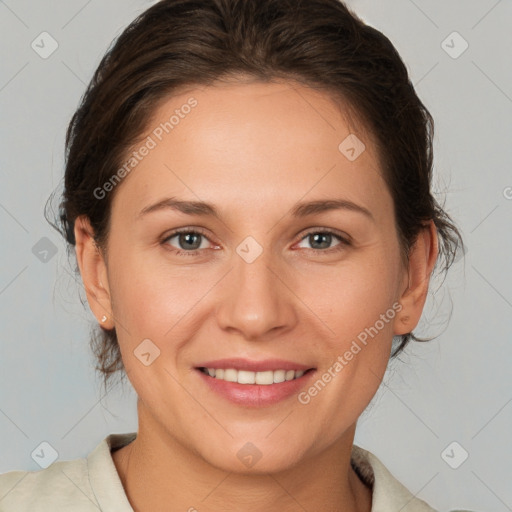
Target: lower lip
(256, 395)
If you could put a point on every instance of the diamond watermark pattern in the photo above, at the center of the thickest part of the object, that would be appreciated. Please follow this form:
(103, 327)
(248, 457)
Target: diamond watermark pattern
(249, 249)
(44, 250)
(146, 352)
(45, 454)
(351, 147)
(44, 45)
(454, 45)
(249, 455)
(454, 455)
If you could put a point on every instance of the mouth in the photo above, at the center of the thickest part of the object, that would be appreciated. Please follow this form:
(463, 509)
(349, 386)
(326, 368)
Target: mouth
(262, 378)
(254, 383)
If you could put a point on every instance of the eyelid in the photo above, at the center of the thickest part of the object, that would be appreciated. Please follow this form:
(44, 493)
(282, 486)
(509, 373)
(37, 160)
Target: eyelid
(187, 229)
(340, 234)
(344, 239)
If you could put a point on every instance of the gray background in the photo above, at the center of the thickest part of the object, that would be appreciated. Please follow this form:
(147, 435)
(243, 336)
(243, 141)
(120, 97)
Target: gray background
(455, 388)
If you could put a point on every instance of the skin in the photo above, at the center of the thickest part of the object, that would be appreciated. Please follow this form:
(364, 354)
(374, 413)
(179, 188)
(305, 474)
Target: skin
(253, 150)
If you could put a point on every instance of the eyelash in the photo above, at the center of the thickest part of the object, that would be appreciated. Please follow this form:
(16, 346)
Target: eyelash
(344, 242)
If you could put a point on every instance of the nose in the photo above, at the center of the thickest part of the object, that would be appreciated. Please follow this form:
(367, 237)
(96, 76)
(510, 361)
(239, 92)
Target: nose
(256, 301)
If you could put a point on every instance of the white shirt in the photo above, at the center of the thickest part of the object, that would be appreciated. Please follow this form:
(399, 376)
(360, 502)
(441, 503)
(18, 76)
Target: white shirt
(92, 484)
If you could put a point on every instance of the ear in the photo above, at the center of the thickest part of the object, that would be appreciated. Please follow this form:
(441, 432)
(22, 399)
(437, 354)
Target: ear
(93, 270)
(422, 258)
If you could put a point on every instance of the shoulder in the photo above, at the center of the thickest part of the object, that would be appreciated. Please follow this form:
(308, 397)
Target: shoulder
(388, 494)
(63, 485)
(80, 485)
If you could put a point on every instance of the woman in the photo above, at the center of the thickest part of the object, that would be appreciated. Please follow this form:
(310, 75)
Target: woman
(247, 189)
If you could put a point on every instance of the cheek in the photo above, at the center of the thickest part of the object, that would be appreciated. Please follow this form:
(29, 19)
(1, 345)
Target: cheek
(354, 359)
(352, 297)
(359, 305)
(147, 298)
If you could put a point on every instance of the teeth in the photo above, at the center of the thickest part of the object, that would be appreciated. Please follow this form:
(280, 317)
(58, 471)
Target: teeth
(245, 377)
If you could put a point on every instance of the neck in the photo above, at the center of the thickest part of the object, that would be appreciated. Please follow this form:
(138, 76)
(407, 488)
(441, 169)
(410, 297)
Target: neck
(157, 470)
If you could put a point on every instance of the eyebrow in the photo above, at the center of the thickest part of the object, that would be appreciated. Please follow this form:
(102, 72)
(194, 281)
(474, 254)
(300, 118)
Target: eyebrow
(299, 210)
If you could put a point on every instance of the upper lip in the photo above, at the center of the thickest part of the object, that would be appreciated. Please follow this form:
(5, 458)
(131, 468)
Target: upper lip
(254, 366)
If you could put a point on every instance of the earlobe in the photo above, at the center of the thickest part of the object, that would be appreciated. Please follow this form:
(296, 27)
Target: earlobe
(422, 258)
(93, 270)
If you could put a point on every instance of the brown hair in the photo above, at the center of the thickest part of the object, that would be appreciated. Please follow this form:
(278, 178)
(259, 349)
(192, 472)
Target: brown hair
(319, 43)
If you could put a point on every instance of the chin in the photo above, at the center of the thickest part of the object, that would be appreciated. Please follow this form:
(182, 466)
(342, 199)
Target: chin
(244, 457)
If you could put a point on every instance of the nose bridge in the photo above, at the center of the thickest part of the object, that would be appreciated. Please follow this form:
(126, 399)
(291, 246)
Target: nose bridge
(255, 301)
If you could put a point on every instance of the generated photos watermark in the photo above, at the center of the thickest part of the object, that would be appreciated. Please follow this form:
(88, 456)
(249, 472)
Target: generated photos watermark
(341, 361)
(150, 143)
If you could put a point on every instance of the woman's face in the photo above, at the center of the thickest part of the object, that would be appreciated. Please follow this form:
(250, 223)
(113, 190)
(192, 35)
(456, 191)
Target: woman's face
(266, 278)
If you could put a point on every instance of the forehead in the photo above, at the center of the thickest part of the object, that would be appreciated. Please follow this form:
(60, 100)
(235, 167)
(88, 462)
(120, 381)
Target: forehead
(253, 142)
(262, 108)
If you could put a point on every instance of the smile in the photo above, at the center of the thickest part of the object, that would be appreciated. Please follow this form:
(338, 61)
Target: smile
(265, 378)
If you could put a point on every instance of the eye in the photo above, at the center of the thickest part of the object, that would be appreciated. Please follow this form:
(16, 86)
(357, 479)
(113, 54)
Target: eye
(189, 241)
(321, 240)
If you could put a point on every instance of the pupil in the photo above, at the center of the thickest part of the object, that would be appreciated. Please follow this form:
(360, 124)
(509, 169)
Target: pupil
(317, 236)
(186, 238)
